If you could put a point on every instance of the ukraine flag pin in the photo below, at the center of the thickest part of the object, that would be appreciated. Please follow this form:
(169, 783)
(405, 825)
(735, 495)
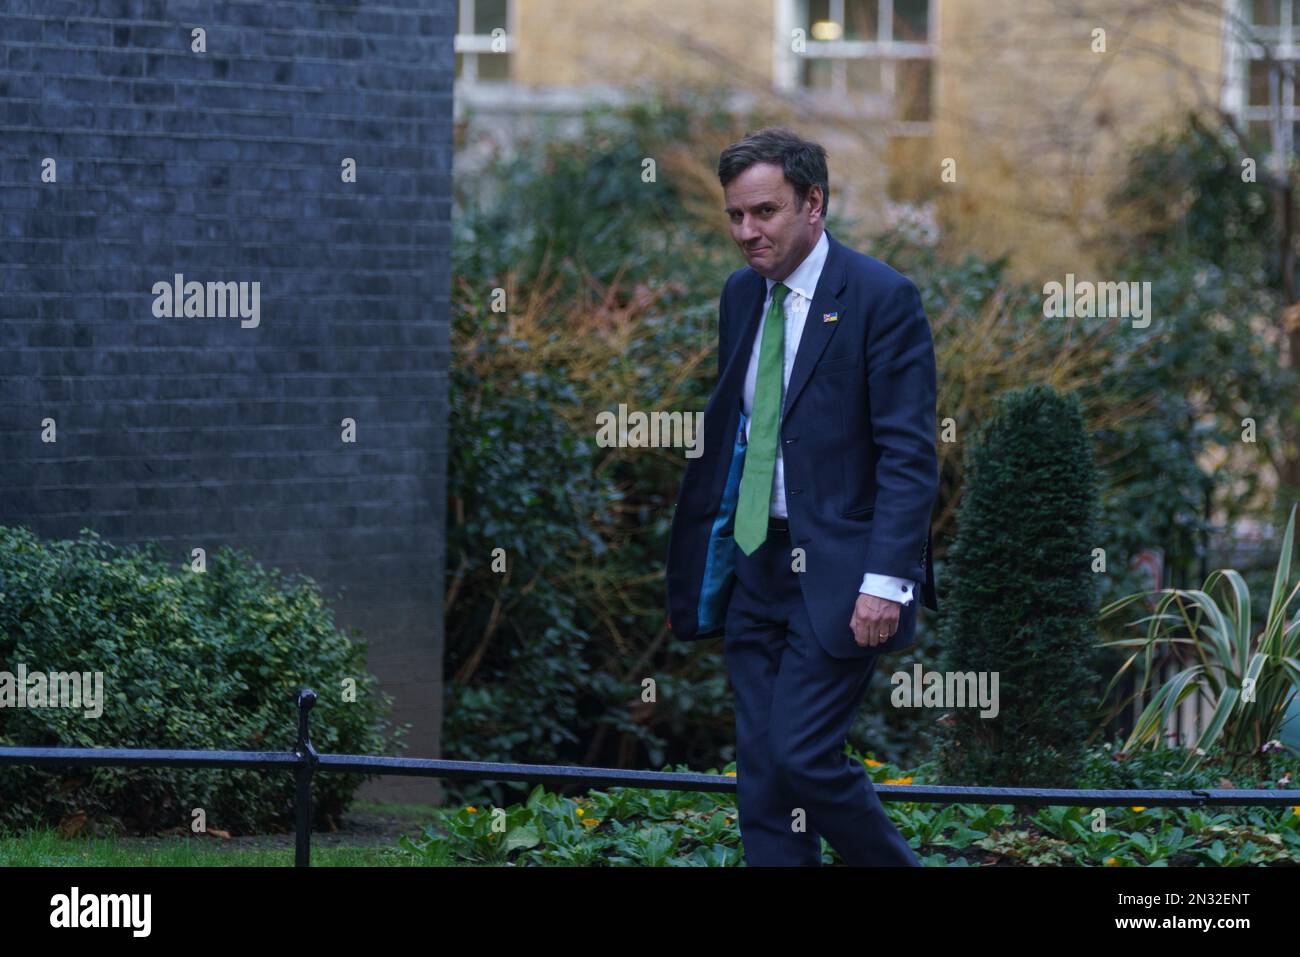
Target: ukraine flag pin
(830, 317)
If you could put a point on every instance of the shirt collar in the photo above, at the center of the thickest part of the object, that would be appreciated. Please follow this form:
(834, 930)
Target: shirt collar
(804, 278)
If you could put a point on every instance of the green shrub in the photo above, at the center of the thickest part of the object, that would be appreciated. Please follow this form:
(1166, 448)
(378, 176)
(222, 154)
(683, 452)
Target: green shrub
(207, 661)
(1249, 677)
(1183, 218)
(1110, 767)
(515, 648)
(1021, 595)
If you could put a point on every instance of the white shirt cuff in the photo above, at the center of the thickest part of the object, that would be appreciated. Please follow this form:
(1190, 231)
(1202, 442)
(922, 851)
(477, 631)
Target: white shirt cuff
(900, 590)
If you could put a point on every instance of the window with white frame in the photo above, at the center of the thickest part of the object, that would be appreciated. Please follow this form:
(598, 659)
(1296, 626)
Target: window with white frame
(864, 55)
(484, 41)
(1260, 65)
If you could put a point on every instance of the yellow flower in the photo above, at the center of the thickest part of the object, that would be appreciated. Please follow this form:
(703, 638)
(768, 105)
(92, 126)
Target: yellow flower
(1112, 862)
(906, 780)
(1295, 809)
(730, 774)
(873, 764)
(581, 812)
(471, 808)
(727, 819)
(1137, 808)
(590, 821)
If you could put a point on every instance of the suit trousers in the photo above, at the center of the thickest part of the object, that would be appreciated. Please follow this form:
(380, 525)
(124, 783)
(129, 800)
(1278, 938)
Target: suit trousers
(794, 706)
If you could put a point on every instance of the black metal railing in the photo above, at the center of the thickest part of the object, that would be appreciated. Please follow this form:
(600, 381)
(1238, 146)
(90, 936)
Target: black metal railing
(306, 763)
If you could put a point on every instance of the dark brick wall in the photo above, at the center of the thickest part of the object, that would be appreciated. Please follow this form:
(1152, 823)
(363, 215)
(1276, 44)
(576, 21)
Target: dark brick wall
(225, 166)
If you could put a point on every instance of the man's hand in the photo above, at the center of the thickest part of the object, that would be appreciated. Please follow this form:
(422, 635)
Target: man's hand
(874, 620)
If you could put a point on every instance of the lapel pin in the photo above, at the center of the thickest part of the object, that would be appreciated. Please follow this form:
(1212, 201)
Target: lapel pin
(830, 317)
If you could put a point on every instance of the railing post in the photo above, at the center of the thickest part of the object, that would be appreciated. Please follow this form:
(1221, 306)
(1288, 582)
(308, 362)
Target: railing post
(307, 761)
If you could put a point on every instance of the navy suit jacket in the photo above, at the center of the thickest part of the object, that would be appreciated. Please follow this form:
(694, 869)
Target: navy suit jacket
(857, 437)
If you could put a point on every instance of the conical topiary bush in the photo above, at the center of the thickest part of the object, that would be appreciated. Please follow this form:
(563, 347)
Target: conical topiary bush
(1021, 595)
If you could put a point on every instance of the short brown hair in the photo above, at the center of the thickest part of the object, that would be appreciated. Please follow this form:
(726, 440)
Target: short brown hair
(802, 162)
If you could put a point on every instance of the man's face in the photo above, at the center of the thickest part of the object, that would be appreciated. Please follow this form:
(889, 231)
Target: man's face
(773, 236)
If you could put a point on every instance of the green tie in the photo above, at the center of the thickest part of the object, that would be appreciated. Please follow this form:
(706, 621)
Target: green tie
(760, 454)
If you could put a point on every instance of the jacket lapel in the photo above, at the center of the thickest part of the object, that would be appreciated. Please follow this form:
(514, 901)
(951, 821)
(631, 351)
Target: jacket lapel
(753, 290)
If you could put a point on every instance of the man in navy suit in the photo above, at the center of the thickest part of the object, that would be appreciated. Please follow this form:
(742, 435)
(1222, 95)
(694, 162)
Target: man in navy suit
(802, 531)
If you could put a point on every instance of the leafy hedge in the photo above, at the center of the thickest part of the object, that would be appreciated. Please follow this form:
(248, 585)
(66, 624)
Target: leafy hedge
(207, 660)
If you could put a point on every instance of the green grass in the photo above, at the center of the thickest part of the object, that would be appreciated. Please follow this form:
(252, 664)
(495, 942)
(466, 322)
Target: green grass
(49, 849)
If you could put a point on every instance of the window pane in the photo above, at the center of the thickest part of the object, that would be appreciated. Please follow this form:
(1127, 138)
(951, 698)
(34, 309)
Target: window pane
(864, 76)
(1260, 83)
(460, 65)
(913, 89)
(861, 19)
(1257, 135)
(816, 73)
(911, 20)
(820, 24)
(488, 14)
(1266, 13)
(494, 66)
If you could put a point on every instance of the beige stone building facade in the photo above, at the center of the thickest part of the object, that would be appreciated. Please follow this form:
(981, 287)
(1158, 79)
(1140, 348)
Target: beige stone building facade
(1003, 121)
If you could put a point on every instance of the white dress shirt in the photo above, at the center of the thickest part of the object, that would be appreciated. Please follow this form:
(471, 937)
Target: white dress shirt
(802, 283)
